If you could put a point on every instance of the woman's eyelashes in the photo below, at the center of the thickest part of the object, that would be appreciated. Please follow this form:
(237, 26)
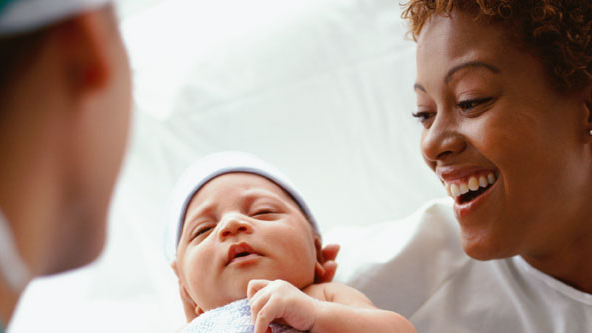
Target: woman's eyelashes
(466, 106)
(470, 104)
(424, 116)
(420, 115)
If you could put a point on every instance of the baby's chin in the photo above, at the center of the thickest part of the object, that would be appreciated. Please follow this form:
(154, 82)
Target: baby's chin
(237, 288)
(222, 299)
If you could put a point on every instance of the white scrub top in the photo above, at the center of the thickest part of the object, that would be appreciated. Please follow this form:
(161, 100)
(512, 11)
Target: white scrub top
(14, 269)
(416, 267)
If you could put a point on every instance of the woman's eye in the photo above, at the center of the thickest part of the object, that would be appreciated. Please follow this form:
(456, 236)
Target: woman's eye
(424, 117)
(470, 104)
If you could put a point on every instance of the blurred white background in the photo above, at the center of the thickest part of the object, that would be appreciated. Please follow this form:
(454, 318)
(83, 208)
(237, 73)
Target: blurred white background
(320, 88)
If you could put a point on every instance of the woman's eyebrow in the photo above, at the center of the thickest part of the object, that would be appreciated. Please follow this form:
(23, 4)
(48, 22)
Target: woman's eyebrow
(455, 69)
(472, 64)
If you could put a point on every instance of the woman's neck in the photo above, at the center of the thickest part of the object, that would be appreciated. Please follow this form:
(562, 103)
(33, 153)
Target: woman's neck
(571, 264)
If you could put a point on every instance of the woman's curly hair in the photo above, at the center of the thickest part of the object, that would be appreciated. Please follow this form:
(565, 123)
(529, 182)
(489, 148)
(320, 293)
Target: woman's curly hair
(558, 32)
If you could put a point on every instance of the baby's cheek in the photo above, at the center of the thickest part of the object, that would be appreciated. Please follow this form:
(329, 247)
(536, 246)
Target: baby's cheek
(196, 265)
(302, 268)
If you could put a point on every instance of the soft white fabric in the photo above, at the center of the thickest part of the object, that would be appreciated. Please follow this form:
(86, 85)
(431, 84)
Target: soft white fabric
(210, 167)
(232, 318)
(423, 274)
(23, 15)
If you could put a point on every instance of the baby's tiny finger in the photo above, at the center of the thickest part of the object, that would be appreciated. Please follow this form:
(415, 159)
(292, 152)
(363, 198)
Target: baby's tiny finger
(264, 317)
(254, 286)
(258, 302)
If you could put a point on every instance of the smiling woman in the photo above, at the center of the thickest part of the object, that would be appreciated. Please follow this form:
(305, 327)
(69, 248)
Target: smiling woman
(488, 107)
(502, 122)
(504, 93)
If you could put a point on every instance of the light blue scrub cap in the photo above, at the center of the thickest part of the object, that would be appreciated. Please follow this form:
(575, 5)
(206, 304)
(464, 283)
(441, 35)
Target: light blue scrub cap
(210, 167)
(18, 16)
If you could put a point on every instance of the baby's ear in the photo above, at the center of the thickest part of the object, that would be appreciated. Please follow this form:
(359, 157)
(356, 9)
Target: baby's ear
(191, 309)
(319, 268)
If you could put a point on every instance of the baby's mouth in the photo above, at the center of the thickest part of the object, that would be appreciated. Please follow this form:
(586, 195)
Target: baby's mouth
(240, 250)
(467, 189)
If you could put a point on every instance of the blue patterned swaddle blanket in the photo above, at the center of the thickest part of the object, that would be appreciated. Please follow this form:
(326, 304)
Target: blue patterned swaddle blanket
(231, 318)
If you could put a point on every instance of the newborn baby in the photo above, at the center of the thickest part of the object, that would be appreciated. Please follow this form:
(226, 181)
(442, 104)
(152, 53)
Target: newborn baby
(247, 247)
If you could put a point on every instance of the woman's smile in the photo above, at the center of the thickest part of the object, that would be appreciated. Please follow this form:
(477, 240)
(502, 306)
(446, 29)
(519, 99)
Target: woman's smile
(465, 204)
(468, 186)
(494, 131)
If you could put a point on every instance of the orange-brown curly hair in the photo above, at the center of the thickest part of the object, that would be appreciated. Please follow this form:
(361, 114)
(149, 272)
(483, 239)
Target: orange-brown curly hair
(558, 32)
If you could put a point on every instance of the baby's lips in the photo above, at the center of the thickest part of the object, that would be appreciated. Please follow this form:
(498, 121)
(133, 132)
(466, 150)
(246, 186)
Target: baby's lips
(237, 249)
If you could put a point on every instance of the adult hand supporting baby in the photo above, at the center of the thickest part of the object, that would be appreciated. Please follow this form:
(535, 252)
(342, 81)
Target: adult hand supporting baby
(271, 300)
(328, 255)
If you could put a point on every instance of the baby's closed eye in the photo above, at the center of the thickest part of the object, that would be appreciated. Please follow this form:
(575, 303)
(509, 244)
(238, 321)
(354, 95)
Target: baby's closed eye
(266, 213)
(202, 230)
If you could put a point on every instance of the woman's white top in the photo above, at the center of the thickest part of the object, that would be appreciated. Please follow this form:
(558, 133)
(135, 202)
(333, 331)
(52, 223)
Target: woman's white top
(416, 267)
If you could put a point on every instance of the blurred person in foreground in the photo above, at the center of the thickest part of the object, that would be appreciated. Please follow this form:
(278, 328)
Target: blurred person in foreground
(64, 118)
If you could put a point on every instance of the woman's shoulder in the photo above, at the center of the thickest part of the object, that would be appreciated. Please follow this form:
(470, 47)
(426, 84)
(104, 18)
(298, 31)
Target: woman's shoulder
(399, 264)
(425, 238)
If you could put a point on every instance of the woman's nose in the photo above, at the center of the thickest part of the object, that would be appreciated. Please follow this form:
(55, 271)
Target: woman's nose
(441, 141)
(234, 224)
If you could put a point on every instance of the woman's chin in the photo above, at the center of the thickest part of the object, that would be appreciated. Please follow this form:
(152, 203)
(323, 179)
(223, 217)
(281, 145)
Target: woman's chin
(481, 247)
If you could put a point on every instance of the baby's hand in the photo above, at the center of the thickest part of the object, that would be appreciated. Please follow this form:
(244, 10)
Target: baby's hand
(271, 300)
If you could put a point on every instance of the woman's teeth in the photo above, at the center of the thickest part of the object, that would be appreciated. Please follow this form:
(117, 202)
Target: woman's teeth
(472, 184)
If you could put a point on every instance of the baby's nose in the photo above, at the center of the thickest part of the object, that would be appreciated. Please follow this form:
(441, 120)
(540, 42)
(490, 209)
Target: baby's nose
(234, 224)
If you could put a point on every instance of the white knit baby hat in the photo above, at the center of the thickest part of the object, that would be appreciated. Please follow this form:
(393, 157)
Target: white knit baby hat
(18, 16)
(210, 167)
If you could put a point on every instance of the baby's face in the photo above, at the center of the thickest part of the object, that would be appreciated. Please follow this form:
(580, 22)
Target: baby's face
(240, 227)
